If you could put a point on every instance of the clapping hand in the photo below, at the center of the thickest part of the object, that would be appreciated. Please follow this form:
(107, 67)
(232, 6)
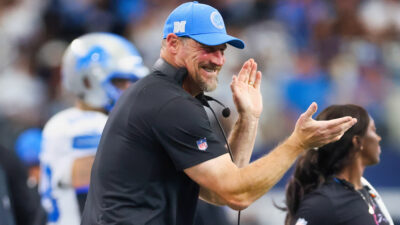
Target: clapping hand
(246, 90)
(311, 134)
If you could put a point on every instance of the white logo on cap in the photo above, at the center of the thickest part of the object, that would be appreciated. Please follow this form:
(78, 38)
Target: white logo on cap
(179, 26)
(216, 20)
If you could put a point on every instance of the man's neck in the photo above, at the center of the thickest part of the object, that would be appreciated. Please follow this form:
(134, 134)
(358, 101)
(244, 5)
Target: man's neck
(169, 59)
(189, 85)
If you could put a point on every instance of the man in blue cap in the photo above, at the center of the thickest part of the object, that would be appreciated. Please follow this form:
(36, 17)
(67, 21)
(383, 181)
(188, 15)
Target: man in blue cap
(158, 153)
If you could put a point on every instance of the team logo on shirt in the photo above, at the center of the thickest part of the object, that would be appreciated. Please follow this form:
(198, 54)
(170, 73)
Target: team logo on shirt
(202, 144)
(301, 221)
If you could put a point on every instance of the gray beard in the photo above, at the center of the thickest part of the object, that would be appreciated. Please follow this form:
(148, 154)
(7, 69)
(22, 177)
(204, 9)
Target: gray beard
(205, 87)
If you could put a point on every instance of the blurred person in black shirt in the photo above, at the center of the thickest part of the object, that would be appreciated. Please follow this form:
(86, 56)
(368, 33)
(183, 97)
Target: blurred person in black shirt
(20, 201)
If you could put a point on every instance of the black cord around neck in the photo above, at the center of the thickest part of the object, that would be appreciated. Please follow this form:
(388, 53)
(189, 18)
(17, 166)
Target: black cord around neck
(227, 145)
(223, 133)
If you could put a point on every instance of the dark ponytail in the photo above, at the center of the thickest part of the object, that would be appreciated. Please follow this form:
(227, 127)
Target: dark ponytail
(313, 168)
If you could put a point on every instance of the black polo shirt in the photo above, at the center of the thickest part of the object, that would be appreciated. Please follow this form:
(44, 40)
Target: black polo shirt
(155, 131)
(338, 203)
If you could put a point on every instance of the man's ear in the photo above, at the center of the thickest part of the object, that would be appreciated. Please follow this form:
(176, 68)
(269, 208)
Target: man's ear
(172, 43)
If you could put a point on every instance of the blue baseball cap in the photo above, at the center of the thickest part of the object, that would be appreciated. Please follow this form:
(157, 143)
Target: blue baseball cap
(200, 22)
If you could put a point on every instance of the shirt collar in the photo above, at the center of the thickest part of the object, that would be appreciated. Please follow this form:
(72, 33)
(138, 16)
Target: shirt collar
(177, 74)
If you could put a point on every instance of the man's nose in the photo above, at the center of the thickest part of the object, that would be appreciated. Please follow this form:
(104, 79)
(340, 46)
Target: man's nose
(218, 58)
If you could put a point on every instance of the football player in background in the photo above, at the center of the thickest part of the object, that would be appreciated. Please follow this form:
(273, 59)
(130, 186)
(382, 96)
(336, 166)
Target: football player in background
(96, 68)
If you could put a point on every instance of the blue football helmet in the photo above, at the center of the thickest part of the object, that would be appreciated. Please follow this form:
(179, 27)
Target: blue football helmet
(100, 58)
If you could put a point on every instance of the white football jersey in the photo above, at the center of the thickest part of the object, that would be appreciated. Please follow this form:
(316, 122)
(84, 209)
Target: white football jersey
(68, 135)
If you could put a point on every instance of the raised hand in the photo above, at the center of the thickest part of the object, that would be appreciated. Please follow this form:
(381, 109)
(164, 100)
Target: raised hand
(311, 134)
(246, 90)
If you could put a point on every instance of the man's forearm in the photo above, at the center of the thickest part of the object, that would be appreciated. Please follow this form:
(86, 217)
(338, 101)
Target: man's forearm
(239, 187)
(259, 177)
(242, 139)
(81, 170)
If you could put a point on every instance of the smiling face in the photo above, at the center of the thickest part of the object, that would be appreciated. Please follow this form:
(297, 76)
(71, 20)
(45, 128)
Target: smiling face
(203, 63)
(371, 148)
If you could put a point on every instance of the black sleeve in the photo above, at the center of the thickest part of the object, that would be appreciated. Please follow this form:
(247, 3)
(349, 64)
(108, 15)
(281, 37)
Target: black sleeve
(183, 129)
(22, 198)
(315, 209)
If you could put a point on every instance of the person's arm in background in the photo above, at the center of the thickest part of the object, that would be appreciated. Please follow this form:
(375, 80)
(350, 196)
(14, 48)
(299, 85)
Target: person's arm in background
(81, 169)
(222, 182)
(23, 201)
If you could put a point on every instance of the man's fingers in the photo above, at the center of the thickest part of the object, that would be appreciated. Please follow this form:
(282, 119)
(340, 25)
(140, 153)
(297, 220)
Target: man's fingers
(346, 121)
(257, 82)
(234, 80)
(243, 75)
(250, 69)
(252, 74)
(349, 124)
(340, 126)
(325, 132)
(334, 138)
(311, 110)
(336, 132)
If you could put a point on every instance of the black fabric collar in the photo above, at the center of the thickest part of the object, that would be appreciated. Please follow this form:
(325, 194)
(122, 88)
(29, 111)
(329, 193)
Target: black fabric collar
(344, 182)
(177, 74)
(348, 184)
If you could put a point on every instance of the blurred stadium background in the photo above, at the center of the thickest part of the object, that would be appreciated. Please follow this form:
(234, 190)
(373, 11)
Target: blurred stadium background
(327, 51)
